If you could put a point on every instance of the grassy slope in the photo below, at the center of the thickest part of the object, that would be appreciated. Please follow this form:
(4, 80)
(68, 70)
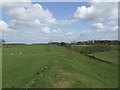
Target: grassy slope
(64, 68)
(111, 55)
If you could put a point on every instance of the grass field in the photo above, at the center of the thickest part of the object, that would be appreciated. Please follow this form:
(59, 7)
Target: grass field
(51, 66)
(0, 68)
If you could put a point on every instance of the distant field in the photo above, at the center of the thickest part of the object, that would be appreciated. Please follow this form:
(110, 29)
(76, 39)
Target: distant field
(51, 66)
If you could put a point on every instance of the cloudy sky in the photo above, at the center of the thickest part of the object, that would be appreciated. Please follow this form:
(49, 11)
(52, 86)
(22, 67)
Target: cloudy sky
(32, 22)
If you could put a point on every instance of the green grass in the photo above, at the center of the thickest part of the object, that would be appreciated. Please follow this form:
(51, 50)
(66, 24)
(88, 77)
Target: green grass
(111, 56)
(63, 69)
(0, 67)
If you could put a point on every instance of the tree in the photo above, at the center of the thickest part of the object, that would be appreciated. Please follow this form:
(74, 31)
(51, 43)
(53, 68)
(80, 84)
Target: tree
(2, 41)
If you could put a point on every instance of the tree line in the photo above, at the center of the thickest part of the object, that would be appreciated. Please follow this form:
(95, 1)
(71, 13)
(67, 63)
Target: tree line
(2, 41)
(105, 42)
(92, 42)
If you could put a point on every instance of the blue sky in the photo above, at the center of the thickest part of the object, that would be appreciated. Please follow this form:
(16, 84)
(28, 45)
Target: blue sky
(66, 10)
(33, 22)
(63, 10)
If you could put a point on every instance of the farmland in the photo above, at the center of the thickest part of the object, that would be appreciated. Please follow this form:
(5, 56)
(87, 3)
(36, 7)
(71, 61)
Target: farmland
(52, 66)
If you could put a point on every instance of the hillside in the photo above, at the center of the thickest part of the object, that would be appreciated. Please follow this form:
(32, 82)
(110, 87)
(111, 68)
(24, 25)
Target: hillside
(51, 66)
(111, 55)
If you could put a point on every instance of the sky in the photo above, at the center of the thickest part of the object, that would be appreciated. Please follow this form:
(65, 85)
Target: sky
(42, 22)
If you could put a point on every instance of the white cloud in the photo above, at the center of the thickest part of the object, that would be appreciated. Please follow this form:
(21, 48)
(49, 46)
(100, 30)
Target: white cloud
(16, 0)
(85, 13)
(85, 31)
(46, 30)
(57, 34)
(56, 31)
(98, 11)
(112, 23)
(66, 22)
(4, 27)
(115, 28)
(28, 15)
(50, 31)
(106, 30)
(36, 21)
(99, 27)
(25, 15)
(59, 1)
(108, 27)
(68, 33)
(45, 34)
(97, 35)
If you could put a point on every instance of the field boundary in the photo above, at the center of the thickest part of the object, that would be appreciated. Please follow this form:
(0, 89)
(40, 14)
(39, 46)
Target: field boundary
(93, 57)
